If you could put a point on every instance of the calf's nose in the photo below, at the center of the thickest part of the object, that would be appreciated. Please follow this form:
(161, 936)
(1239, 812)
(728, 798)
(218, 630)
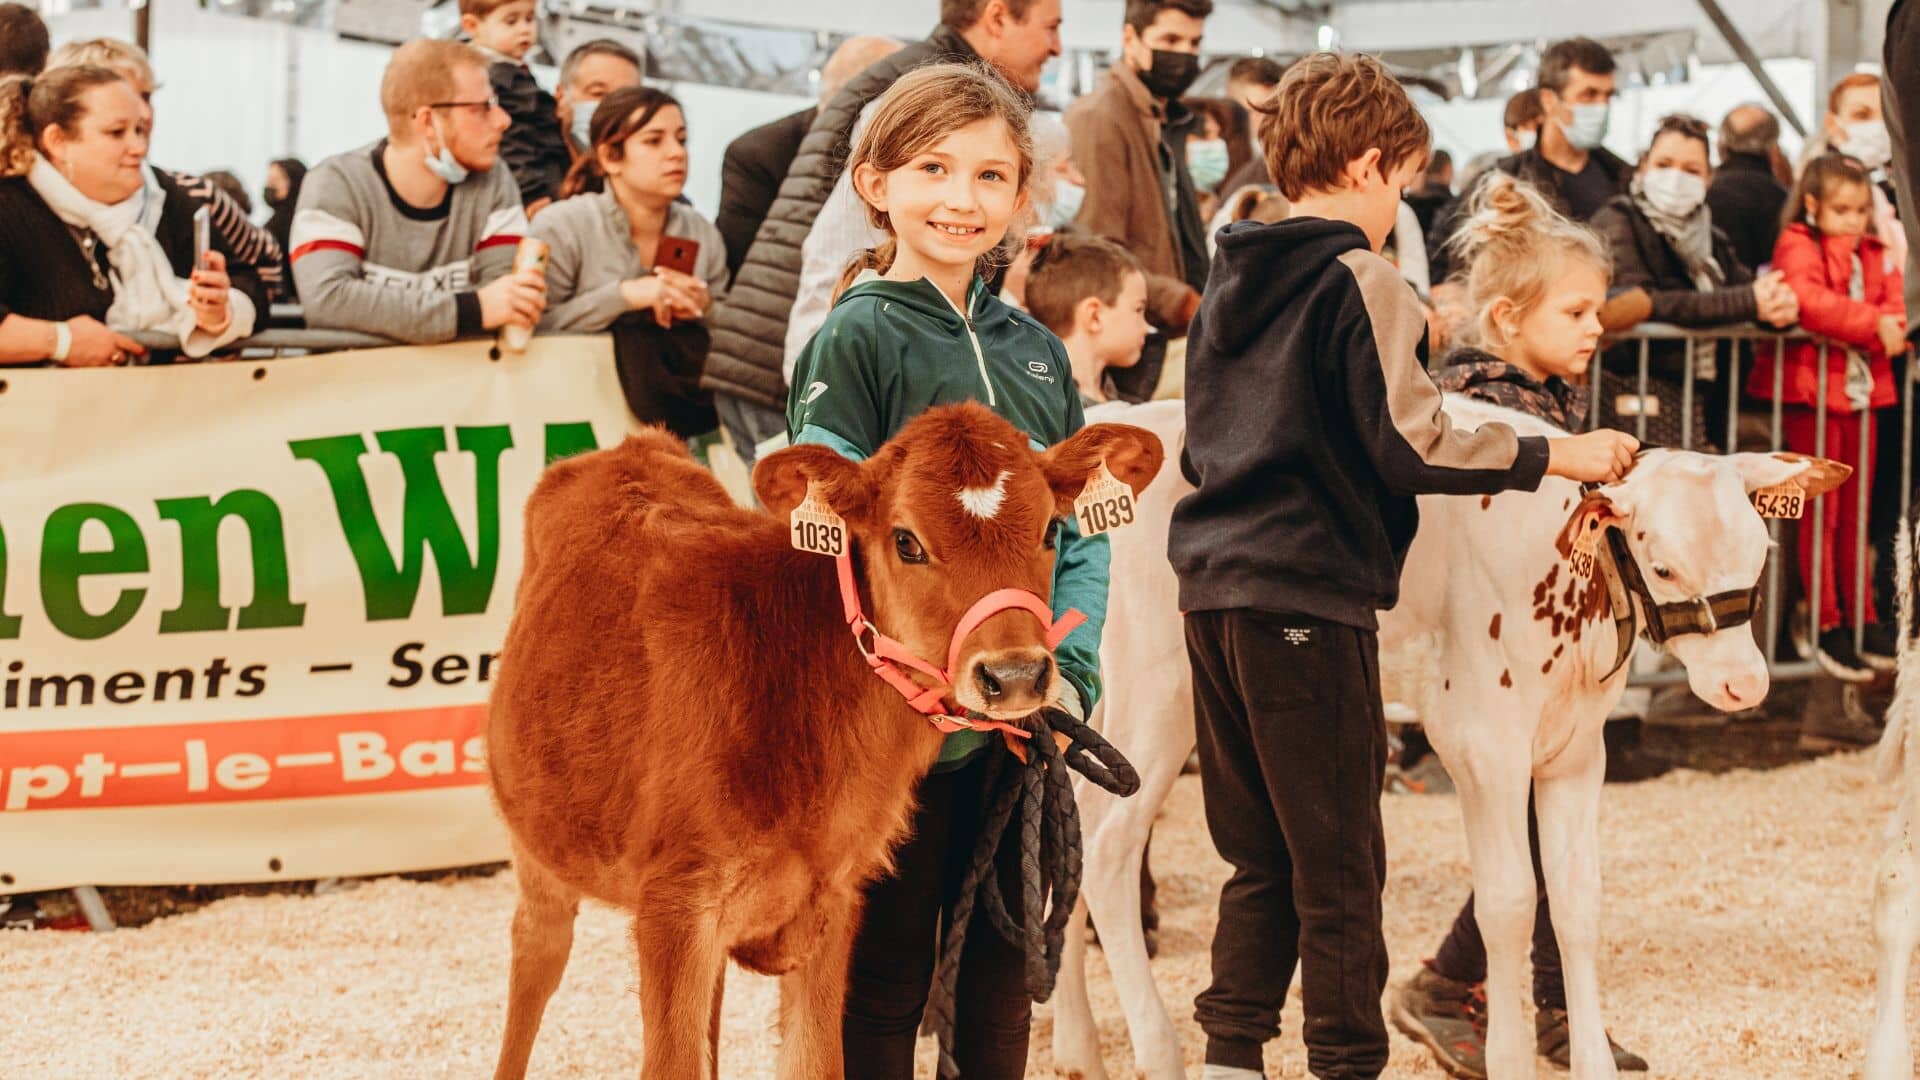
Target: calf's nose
(1011, 679)
(1745, 691)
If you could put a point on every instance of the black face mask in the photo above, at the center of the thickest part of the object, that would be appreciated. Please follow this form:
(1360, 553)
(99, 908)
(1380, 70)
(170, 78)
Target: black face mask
(273, 199)
(1171, 74)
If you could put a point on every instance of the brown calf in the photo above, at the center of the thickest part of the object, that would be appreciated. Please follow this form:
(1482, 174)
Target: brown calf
(684, 727)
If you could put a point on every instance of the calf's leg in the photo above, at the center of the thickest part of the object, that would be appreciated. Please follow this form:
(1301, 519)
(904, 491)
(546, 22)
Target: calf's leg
(1076, 1037)
(1493, 801)
(542, 938)
(813, 998)
(1569, 812)
(1114, 856)
(680, 963)
(1896, 922)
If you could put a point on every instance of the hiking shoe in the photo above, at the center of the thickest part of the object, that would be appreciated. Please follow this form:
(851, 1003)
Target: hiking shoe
(1880, 647)
(1446, 1017)
(1551, 1039)
(1837, 657)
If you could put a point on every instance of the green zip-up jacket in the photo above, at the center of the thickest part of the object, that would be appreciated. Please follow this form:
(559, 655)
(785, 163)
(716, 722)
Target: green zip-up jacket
(889, 351)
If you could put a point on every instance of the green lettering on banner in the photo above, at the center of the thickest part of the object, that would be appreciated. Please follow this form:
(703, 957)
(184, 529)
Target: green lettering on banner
(466, 580)
(199, 520)
(63, 564)
(566, 440)
(9, 624)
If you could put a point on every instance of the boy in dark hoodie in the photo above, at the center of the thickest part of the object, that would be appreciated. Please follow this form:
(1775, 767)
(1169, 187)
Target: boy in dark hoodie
(1311, 426)
(534, 147)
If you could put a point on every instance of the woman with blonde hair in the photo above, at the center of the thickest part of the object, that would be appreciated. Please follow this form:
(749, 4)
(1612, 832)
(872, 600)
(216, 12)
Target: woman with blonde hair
(85, 244)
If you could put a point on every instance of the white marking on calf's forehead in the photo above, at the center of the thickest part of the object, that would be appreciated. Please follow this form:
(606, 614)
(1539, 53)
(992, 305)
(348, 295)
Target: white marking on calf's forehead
(984, 502)
(1696, 506)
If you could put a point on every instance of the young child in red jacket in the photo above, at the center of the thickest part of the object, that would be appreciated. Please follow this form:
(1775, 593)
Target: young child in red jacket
(1851, 296)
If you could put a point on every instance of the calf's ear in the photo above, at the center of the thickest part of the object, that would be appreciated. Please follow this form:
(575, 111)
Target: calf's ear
(781, 480)
(1813, 475)
(1132, 454)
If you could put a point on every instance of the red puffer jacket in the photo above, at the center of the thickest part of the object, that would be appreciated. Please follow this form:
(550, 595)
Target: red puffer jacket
(1818, 268)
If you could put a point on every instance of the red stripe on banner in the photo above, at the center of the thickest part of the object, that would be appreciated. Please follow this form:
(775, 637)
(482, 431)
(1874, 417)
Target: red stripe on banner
(304, 757)
(496, 241)
(312, 246)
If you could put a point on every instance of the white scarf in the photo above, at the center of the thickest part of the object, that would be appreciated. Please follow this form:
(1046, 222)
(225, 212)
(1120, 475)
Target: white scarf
(146, 294)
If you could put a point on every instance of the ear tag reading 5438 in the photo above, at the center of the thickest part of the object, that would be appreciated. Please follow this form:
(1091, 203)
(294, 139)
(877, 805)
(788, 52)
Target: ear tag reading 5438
(815, 527)
(1785, 501)
(1105, 505)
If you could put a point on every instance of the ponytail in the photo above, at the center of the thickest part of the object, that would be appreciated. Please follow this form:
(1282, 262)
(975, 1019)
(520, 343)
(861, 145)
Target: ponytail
(16, 134)
(586, 176)
(877, 259)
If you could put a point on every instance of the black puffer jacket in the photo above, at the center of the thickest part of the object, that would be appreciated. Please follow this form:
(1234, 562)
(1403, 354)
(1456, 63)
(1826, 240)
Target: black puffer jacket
(750, 326)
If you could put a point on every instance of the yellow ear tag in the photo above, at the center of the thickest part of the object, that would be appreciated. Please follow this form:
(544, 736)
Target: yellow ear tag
(815, 527)
(1105, 505)
(1785, 501)
(1586, 544)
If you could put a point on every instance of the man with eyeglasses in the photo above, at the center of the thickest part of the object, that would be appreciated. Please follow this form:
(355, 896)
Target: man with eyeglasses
(413, 238)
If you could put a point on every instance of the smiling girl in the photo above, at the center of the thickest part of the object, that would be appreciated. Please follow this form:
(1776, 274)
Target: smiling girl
(943, 168)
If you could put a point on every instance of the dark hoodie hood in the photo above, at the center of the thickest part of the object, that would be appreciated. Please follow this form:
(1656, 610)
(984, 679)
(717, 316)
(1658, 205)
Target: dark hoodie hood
(1258, 268)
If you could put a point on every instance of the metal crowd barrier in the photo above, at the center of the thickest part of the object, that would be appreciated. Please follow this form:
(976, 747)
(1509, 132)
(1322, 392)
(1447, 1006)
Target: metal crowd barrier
(1733, 381)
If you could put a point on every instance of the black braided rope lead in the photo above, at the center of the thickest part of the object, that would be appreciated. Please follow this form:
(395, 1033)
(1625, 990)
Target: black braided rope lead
(1050, 859)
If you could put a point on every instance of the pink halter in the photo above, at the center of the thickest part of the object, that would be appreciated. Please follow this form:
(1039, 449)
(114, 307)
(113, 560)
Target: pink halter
(884, 653)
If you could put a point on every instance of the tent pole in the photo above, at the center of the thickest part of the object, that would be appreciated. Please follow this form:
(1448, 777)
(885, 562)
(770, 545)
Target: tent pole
(1738, 42)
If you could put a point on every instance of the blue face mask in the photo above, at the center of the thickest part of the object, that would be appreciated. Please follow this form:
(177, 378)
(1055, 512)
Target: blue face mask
(1589, 127)
(443, 163)
(1207, 161)
(582, 127)
(1067, 197)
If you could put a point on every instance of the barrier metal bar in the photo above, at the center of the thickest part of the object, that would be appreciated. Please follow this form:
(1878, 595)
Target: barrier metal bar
(1773, 524)
(1819, 505)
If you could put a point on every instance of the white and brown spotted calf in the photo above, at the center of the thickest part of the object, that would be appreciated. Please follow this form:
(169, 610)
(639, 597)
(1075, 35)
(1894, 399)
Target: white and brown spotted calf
(1517, 649)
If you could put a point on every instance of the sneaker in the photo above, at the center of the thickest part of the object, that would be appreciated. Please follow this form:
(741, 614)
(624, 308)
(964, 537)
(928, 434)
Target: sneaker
(1836, 719)
(1446, 1017)
(1552, 1039)
(1838, 658)
(1880, 647)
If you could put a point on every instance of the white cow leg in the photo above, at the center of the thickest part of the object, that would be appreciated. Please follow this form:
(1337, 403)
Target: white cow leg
(1568, 807)
(1112, 889)
(1493, 800)
(1076, 1037)
(1896, 923)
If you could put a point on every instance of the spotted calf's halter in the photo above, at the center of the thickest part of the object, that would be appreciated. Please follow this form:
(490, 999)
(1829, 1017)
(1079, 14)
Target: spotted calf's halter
(1625, 583)
(885, 654)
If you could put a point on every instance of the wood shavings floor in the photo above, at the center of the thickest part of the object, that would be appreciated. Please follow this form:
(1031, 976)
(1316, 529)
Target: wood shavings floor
(1737, 924)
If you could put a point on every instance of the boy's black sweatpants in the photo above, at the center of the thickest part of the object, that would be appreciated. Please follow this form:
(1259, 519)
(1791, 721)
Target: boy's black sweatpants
(1293, 753)
(1463, 955)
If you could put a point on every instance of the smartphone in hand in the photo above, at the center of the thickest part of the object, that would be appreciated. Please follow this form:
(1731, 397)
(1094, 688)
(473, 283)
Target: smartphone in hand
(202, 236)
(678, 253)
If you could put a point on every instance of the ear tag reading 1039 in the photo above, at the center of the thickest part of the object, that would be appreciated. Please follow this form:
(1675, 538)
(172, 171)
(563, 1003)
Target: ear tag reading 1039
(1785, 501)
(815, 527)
(1586, 544)
(1105, 505)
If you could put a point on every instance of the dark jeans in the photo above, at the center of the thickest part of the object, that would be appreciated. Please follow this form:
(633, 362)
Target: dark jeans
(1463, 956)
(1293, 752)
(906, 918)
(748, 423)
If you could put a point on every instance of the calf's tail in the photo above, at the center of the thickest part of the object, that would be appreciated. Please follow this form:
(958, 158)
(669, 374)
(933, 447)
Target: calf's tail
(1894, 752)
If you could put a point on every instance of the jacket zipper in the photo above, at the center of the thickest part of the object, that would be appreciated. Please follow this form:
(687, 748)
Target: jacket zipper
(975, 338)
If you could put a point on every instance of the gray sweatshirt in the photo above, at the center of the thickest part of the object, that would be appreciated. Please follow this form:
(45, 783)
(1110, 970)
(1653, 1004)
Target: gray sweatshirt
(592, 253)
(365, 260)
